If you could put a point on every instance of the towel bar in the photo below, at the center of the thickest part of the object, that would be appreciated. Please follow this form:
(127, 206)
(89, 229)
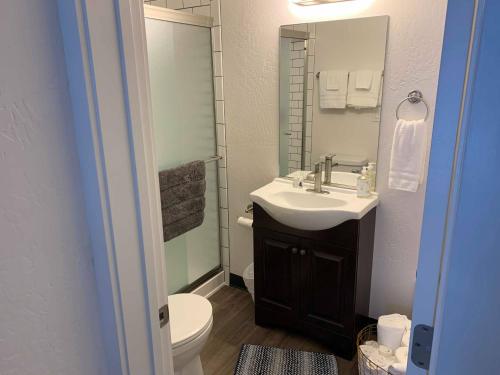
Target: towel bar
(213, 158)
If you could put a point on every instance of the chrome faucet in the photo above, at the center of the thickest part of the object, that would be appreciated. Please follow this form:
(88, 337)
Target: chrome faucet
(317, 180)
(328, 168)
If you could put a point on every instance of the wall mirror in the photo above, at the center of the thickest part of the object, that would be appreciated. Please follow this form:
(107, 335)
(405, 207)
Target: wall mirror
(331, 80)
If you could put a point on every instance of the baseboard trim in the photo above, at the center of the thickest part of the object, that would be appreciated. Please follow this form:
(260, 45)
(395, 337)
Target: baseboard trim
(236, 281)
(210, 286)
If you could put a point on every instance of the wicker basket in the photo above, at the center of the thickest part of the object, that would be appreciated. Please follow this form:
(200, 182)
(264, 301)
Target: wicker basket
(365, 365)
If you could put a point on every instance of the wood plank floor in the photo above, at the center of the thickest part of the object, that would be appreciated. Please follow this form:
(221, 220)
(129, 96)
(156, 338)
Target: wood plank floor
(234, 325)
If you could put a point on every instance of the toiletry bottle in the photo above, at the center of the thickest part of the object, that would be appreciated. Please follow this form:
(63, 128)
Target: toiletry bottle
(372, 176)
(363, 184)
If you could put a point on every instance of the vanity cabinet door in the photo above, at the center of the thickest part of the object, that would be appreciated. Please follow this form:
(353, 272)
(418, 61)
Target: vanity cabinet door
(276, 270)
(327, 288)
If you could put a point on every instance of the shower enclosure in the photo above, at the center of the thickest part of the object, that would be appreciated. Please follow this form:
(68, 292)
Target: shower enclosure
(180, 65)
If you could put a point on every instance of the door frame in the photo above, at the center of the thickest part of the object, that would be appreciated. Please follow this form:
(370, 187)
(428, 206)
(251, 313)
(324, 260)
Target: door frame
(456, 77)
(106, 63)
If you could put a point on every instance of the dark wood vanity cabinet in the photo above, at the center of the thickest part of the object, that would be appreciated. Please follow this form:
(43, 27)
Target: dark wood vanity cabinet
(314, 282)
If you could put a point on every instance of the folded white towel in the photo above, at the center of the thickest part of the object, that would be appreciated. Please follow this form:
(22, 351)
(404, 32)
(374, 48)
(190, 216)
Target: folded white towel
(364, 79)
(397, 369)
(401, 354)
(364, 98)
(390, 330)
(333, 88)
(378, 360)
(372, 343)
(408, 155)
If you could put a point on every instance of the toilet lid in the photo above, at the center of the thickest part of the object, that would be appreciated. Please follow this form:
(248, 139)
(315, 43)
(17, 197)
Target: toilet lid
(190, 314)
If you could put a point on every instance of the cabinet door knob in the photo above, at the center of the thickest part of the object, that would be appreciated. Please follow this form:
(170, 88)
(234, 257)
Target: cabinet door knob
(302, 252)
(294, 250)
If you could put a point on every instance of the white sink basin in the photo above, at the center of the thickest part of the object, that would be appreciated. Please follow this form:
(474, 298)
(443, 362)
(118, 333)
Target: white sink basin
(306, 210)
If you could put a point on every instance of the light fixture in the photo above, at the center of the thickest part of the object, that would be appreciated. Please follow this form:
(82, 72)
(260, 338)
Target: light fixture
(315, 2)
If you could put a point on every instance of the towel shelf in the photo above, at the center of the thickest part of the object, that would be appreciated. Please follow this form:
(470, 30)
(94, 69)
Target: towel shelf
(213, 158)
(414, 97)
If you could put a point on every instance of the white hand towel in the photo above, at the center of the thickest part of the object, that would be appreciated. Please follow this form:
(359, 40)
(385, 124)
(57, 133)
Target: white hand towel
(378, 360)
(362, 98)
(390, 330)
(408, 155)
(397, 369)
(401, 354)
(364, 79)
(336, 95)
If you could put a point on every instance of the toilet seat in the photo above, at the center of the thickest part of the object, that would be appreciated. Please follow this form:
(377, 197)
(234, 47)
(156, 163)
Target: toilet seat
(190, 317)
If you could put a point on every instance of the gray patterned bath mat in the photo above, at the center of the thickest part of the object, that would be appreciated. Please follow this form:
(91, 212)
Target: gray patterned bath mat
(263, 360)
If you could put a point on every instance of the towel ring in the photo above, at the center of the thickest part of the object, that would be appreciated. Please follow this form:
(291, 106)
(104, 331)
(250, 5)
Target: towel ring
(414, 97)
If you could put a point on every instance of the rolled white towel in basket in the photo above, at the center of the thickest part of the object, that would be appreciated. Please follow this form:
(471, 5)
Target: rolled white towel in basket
(401, 354)
(385, 351)
(390, 330)
(397, 369)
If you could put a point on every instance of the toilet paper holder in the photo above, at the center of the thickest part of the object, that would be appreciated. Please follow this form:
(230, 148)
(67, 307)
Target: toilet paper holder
(249, 208)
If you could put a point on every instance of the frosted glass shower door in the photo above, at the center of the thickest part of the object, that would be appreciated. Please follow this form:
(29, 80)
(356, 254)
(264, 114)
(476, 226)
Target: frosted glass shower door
(180, 65)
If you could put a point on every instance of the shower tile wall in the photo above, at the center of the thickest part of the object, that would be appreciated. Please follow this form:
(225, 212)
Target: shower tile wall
(297, 99)
(296, 104)
(212, 8)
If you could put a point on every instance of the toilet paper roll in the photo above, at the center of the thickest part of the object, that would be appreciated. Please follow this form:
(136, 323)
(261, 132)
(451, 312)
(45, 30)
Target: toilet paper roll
(244, 221)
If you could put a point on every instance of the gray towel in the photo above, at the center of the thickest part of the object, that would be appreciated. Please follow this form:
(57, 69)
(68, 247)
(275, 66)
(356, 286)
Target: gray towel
(180, 211)
(182, 226)
(184, 174)
(182, 191)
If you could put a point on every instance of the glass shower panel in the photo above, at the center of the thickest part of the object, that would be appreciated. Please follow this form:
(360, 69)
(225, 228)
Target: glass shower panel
(180, 65)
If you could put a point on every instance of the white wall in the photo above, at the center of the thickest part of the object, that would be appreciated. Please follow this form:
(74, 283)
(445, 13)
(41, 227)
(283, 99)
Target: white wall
(250, 38)
(49, 321)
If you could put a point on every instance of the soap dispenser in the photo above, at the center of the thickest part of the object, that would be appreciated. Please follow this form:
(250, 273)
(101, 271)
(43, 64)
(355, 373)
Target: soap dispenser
(363, 186)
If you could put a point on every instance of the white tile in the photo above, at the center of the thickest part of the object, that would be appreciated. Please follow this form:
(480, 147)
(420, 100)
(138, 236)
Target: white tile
(219, 112)
(217, 38)
(311, 47)
(215, 12)
(221, 151)
(310, 80)
(225, 255)
(224, 237)
(205, 2)
(222, 178)
(298, 63)
(224, 217)
(309, 97)
(308, 129)
(296, 112)
(298, 46)
(202, 11)
(191, 3)
(187, 10)
(218, 64)
(294, 71)
(294, 88)
(219, 88)
(312, 30)
(310, 64)
(158, 3)
(175, 4)
(223, 198)
(221, 134)
(300, 27)
(309, 113)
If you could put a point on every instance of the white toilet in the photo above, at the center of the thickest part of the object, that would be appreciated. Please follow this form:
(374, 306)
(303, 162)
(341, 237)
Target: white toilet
(190, 324)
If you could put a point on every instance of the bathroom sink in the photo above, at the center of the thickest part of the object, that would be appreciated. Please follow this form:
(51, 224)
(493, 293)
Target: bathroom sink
(302, 209)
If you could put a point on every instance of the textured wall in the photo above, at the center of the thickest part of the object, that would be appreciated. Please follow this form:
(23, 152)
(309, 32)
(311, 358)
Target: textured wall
(49, 321)
(250, 38)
